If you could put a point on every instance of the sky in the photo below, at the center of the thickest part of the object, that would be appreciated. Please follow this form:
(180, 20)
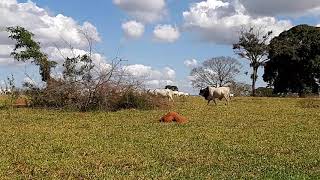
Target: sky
(162, 40)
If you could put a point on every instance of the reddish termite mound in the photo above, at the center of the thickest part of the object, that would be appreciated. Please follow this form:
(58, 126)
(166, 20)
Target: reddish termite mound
(173, 117)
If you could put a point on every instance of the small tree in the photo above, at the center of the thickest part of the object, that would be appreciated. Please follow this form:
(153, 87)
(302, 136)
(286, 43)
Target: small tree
(217, 71)
(253, 46)
(27, 49)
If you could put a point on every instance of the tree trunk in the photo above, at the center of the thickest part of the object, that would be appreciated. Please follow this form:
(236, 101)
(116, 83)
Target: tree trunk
(254, 80)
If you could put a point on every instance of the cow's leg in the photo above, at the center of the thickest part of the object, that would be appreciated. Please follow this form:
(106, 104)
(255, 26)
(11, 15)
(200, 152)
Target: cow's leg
(209, 101)
(170, 98)
(227, 99)
(215, 102)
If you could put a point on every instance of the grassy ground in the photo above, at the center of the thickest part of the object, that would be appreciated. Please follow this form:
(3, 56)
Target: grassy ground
(251, 138)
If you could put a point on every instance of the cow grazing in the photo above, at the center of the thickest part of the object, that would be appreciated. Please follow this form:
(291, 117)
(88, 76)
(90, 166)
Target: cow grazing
(175, 93)
(211, 93)
(164, 93)
(173, 88)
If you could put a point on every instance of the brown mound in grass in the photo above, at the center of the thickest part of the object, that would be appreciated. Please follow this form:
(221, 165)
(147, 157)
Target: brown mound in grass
(21, 102)
(173, 117)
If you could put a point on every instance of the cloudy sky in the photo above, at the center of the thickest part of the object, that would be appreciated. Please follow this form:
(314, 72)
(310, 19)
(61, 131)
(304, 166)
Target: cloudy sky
(161, 39)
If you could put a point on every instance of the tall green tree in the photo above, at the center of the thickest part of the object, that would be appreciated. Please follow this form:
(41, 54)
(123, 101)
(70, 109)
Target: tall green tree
(294, 64)
(253, 46)
(26, 48)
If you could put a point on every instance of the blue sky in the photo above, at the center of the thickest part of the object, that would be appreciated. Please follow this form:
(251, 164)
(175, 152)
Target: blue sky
(206, 30)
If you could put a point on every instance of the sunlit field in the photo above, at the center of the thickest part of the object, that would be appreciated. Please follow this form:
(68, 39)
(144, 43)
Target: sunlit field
(277, 138)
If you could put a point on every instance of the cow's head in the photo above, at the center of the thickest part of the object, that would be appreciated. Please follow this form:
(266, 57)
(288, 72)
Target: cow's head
(204, 93)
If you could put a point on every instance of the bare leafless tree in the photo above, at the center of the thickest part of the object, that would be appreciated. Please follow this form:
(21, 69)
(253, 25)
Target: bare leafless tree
(217, 71)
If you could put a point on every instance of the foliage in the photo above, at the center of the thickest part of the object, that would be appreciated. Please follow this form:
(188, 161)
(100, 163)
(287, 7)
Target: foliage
(62, 95)
(294, 64)
(27, 49)
(142, 101)
(83, 86)
(252, 138)
(240, 89)
(11, 93)
(217, 71)
(265, 92)
(253, 46)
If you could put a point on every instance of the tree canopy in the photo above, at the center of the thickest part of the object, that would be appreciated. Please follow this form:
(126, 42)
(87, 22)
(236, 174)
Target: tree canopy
(294, 64)
(28, 49)
(253, 46)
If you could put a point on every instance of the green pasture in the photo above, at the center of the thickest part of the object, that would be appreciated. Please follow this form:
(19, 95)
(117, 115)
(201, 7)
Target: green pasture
(264, 138)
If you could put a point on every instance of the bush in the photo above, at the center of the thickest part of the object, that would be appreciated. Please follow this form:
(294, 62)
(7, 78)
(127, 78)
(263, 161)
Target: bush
(143, 101)
(108, 97)
(265, 92)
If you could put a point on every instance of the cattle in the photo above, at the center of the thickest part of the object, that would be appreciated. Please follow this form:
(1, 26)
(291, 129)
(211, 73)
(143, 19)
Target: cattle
(175, 93)
(211, 93)
(173, 88)
(164, 93)
(5, 91)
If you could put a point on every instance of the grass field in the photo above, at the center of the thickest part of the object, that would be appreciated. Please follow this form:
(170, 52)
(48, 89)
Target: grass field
(263, 138)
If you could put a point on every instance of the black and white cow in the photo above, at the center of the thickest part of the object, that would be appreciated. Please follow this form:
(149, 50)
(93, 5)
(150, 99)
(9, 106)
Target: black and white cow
(213, 93)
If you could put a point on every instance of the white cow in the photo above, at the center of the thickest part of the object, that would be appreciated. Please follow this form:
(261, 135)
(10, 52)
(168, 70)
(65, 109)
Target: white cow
(183, 94)
(175, 93)
(165, 93)
(211, 93)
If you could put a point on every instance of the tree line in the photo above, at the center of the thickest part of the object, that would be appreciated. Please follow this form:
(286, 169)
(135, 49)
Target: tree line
(291, 61)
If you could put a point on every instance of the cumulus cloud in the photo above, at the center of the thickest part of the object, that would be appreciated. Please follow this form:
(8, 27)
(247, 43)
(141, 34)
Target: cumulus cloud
(145, 11)
(166, 33)
(191, 63)
(282, 7)
(59, 55)
(133, 29)
(153, 78)
(219, 21)
(59, 30)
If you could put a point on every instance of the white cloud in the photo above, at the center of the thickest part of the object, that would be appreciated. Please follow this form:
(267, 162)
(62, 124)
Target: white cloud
(166, 33)
(100, 62)
(47, 29)
(281, 7)
(147, 11)
(318, 25)
(149, 73)
(153, 78)
(29, 81)
(51, 31)
(191, 63)
(219, 21)
(169, 73)
(133, 29)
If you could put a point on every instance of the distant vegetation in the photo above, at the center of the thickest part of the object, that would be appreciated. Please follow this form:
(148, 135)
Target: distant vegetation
(291, 61)
(83, 86)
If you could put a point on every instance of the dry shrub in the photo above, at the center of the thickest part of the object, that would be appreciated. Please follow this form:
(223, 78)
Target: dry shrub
(107, 97)
(143, 101)
(309, 103)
